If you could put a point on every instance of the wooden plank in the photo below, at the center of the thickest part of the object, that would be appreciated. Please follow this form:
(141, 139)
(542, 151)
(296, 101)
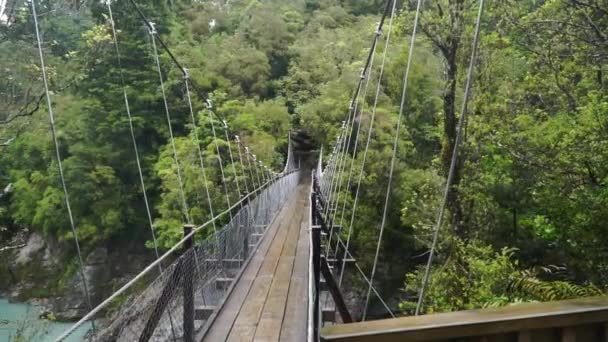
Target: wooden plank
(257, 308)
(513, 318)
(295, 321)
(223, 321)
(247, 320)
(269, 326)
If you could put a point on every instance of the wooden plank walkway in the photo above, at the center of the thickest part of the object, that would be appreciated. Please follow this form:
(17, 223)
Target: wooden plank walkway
(270, 300)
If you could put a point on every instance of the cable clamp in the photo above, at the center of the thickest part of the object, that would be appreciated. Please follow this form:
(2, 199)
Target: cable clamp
(225, 124)
(152, 28)
(209, 104)
(186, 75)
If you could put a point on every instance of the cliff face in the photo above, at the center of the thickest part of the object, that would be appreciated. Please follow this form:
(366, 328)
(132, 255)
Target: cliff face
(40, 272)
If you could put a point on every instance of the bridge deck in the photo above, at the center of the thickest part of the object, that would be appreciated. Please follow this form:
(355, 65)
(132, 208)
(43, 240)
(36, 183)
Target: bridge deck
(269, 302)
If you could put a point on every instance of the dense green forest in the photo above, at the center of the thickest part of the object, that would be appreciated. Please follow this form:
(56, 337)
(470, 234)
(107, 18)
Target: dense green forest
(529, 205)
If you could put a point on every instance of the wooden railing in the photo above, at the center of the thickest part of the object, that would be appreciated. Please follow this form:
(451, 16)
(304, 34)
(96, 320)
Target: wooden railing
(580, 320)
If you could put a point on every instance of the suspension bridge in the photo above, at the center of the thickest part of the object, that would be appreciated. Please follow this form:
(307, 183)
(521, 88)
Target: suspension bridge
(270, 264)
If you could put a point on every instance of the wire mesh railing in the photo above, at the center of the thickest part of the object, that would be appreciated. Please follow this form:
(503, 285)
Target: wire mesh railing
(331, 250)
(173, 302)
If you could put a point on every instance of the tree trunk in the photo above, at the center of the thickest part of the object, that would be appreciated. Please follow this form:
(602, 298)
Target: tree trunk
(447, 41)
(449, 130)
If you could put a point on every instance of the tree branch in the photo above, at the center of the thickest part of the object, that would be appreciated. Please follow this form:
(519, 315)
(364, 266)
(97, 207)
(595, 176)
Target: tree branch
(586, 4)
(6, 248)
(22, 112)
(6, 143)
(39, 100)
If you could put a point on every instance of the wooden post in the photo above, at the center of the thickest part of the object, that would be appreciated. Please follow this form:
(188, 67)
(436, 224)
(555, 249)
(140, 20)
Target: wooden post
(246, 247)
(188, 259)
(524, 336)
(568, 334)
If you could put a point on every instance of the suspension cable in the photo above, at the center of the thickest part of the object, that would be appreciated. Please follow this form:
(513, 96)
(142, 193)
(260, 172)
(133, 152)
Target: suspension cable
(454, 161)
(254, 176)
(372, 117)
(367, 66)
(238, 148)
(352, 162)
(236, 178)
(186, 78)
(327, 174)
(197, 142)
(251, 176)
(136, 150)
(340, 176)
(219, 156)
(185, 208)
(255, 167)
(151, 26)
(59, 162)
(262, 170)
(331, 166)
(336, 170)
(367, 280)
(372, 50)
(132, 131)
(394, 155)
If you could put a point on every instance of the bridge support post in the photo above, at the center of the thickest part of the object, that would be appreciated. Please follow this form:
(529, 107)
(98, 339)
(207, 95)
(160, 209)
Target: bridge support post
(188, 316)
(335, 292)
(250, 230)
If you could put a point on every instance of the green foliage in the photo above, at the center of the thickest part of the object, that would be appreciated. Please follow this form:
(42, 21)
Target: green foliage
(471, 276)
(530, 188)
(527, 283)
(532, 176)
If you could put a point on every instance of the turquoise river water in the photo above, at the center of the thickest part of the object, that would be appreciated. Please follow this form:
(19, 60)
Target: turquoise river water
(20, 322)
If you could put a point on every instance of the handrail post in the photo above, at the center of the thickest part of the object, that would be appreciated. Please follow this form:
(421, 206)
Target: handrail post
(188, 285)
(316, 263)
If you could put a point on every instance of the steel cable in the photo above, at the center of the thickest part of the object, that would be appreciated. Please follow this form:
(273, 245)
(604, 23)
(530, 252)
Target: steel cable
(394, 154)
(454, 160)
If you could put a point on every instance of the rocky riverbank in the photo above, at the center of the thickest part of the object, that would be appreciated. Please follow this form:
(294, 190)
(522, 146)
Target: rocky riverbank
(42, 272)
